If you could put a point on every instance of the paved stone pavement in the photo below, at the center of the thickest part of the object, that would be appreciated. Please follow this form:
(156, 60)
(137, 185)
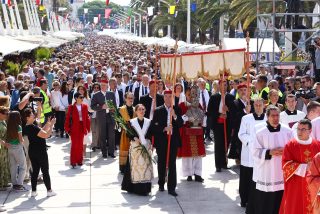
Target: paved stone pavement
(96, 189)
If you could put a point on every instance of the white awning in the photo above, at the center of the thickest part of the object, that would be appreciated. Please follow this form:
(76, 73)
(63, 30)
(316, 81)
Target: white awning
(238, 43)
(12, 46)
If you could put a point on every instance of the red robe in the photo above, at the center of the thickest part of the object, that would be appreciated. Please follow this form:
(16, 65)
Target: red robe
(192, 139)
(313, 179)
(77, 131)
(296, 196)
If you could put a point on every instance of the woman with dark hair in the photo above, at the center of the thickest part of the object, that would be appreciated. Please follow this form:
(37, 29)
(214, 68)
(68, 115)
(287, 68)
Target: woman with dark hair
(4, 161)
(127, 113)
(179, 96)
(17, 158)
(161, 87)
(77, 124)
(86, 100)
(38, 150)
(61, 113)
(139, 171)
(94, 123)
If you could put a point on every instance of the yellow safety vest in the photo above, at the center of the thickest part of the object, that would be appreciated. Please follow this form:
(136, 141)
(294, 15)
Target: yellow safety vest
(46, 108)
(268, 90)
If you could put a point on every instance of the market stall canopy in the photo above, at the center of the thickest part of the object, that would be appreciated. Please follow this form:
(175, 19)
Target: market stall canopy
(236, 43)
(9, 45)
(166, 42)
(66, 35)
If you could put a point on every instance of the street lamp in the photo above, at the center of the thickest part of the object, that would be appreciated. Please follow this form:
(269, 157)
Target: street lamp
(147, 25)
(189, 22)
(117, 20)
(140, 22)
(169, 26)
(126, 15)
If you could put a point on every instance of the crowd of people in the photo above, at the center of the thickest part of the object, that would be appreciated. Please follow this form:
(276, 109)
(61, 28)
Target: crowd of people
(107, 95)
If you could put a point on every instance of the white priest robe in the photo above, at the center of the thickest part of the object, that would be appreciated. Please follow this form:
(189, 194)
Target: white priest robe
(316, 128)
(247, 135)
(268, 169)
(289, 118)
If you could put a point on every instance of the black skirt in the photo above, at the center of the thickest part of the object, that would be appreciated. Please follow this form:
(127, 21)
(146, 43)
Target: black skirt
(138, 188)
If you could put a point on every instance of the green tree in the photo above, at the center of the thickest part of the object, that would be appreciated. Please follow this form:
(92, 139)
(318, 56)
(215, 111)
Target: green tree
(98, 7)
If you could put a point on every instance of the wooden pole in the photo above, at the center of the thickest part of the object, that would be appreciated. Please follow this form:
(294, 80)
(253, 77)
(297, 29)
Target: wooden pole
(248, 67)
(171, 107)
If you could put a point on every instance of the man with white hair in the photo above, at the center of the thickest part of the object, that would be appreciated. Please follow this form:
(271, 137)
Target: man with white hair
(204, 101)
(142, 90)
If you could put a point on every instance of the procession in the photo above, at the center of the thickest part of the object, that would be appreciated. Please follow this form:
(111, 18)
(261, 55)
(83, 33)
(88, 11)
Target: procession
(111, 119)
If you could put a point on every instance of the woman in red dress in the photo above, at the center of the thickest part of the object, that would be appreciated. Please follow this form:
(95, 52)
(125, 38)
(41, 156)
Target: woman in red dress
(77, 124)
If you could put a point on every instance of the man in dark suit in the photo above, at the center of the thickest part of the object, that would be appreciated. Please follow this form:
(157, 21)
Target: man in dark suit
(160, 127)
(143, 89)
(219, 113)
(105, 120)
(119, 101)
(240, 109)
(148, 102)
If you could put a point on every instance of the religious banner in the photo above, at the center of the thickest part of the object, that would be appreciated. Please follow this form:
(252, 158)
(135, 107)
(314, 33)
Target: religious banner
(107, 13)
(205, 64)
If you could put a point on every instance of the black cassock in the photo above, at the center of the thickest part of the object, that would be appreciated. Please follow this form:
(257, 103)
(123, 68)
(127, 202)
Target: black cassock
(218, 129)
(146, 100)
(237, 113)
(159, 122)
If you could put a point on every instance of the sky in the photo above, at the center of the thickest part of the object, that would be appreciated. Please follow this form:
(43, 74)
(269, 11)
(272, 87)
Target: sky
(121, 2)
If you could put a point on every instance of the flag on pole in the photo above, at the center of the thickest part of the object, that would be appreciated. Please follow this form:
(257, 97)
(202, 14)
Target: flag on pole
(107, 13)
(172, 10)
(37, 2)
(85, 10)
(7, 2)
(176, 14)
(107, 2)
(150, 11)
(193, 7)
(95, 19)
(130, 12)
(42, 7)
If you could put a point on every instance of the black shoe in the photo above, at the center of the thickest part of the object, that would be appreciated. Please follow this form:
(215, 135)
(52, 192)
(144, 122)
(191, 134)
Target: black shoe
(226, 167)
(189, 178)
(198, 178)
(112, 155)
(104, 156)
(67, 136)
(80, 164)
(94, 149)
(61, 135)
(73, 166)
(218, 170)
(243, 204)
(173, 193)
(161, 188)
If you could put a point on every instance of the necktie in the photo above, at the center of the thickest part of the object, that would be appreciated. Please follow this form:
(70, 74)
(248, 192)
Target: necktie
(204, 105)
(145, 90)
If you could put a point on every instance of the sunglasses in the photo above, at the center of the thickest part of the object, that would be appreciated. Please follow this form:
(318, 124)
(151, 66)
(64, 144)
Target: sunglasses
(81, 97)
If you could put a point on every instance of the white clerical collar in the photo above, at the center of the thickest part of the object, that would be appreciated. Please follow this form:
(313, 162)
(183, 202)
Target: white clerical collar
(304, 142)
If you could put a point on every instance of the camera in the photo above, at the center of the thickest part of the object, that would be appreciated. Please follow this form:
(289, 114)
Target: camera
(306, 94)
(36, 99)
